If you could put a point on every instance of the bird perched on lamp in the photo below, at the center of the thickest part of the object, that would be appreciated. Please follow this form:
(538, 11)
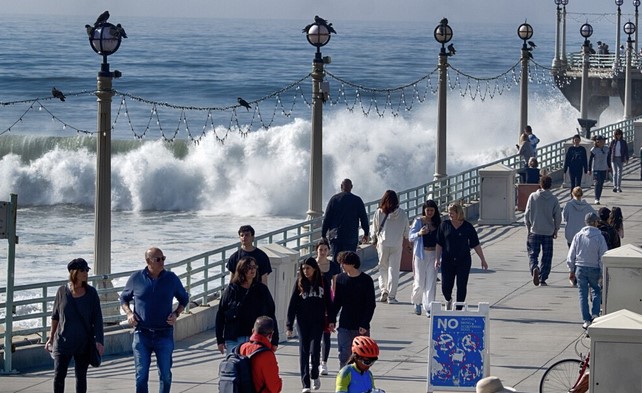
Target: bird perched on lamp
(102, 18)
(451, 50)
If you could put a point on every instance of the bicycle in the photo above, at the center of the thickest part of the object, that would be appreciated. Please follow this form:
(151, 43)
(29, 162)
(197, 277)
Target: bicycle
(567, 375)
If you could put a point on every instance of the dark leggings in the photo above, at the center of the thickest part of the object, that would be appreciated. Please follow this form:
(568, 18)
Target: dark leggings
(309, 347)
(575, 176)
(326, 346)
(61, 364)
(451, 270)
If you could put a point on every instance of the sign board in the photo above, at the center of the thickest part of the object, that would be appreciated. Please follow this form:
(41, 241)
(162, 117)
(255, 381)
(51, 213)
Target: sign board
(458, 354)
(4, 219)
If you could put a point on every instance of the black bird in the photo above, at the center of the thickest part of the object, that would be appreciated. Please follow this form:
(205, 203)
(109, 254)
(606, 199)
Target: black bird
(57, 93)
(102, 18)
(320, 20)
(451, 50)
(89, 29)
(444, 21)
(118, 31)
(532, 44)
(243, 103)
(331, 29)
(306, 28)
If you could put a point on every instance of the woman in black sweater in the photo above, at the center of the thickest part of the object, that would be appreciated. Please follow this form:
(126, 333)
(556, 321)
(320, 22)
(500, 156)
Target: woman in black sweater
(309, 303)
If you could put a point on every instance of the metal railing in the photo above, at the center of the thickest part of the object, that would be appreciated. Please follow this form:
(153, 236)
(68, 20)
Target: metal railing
(204, 275)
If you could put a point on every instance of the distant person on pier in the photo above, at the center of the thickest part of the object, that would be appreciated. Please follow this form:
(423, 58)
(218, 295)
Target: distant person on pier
(525, 151)
(610, 233)
(533, 173)
(76, 323)
(619, 151)
(542, 218)
(343, 214)
(246, 235)
(575, 162)
(423, 235)
(153, 291)
(574, 213)
(616, 220)
(390, 226)
(528, 130)
(599, 165)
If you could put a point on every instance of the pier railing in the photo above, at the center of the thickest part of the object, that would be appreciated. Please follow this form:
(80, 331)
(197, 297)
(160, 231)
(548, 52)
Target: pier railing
(204, 275)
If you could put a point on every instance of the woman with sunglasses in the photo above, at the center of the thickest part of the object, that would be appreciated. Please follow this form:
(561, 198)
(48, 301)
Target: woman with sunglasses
(244, 300)
(309, 303)
(356, 377)
(76, 312)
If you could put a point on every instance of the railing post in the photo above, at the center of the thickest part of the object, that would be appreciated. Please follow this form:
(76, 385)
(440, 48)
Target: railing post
(10, 231)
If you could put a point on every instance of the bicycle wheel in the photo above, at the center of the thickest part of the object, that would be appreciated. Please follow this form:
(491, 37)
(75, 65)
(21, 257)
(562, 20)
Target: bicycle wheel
(560, 377)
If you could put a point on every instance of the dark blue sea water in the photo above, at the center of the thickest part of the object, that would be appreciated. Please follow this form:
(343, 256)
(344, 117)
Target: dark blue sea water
(201, 192)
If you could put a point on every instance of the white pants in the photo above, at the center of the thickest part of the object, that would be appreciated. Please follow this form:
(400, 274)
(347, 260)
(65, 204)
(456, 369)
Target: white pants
(424, 284)
(389, 264)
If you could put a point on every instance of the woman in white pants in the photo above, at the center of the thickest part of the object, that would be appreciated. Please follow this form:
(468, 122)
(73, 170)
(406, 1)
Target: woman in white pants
(390, 224)
(423, 234)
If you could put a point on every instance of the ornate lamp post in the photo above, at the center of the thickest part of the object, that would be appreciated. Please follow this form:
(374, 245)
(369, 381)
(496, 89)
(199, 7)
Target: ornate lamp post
(636, 4)
(104, 39)
(564, 3)
(629, 29)
(318, 35)
(524, 32)
(443, 34)
(558, 22)
(586, 31)
(617, 34)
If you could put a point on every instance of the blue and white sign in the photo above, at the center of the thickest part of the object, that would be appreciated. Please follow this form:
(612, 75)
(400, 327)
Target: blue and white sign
(458, 356)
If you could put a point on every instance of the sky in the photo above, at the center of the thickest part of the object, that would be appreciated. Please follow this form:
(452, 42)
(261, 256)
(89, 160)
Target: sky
(461, 11)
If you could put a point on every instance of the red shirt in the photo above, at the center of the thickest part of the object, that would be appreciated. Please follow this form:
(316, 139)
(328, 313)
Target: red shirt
(265, 369)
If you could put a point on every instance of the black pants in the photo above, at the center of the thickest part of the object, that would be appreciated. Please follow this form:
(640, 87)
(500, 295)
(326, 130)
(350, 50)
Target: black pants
(337, 245)
(576, 177)
(309, 347)
(61, 364)
(451, 271)
(326, 346)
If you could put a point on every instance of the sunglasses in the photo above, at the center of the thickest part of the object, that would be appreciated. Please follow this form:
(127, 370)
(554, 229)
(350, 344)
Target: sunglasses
(157, 259)
(368, 361)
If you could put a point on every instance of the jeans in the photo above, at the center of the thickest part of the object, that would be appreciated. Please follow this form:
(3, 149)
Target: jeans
(589, 277)
(389, 265)
(533, 245)
(344, 344)
(161, 342)
(618, 164)
(600, 177)
(231, 344)
(61, 364)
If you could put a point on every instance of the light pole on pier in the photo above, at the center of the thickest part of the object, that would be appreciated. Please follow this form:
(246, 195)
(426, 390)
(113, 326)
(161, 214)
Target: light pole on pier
(636, 3)
(558, 41)
(563, 57)
(443, 34)
(104, 39)
(524, 32)
(629, 29)
(586, 31)
(318, 34)
(617, 34)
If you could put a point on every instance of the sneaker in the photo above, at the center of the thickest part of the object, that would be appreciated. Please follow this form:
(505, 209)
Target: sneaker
(392, 300)
(316, 384)
(418, 309)
(323, 368)
(384, 297)
(449, 305)
(614, 189)
(536, 276)
(543, 284)
(597, 201)
(619, 190)
(306, 390)
(586, 324)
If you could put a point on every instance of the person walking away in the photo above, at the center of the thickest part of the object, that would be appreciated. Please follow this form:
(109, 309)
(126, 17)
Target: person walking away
(355, 299)
(525, 152)
(390, 224)
(247, 249)
(619, 152)
(616, 220)
(455, 238)
(265, 368)
(574, 213)
(308, 305)
(584, 260)
(542, 218)
(610, 233)
(532, 139)
(356, 375)
(423, 235)
(153, 291)
(329, 269)
(575, 162)
(599, 165)
(243, 300)
(76, 323)
(343, 214)
(532, 172)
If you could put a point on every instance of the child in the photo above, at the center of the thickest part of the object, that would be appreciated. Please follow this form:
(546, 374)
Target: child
(356, 375)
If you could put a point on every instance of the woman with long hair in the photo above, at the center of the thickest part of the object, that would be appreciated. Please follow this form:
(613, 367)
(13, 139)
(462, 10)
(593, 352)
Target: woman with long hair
(244, 300)
(616, 220)
(309, 304)
(390, 224)
(76, 323)
(423, 234)
(619, 152)
(329, 270)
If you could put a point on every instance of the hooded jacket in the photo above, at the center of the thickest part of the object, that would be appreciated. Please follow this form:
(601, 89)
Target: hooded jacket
(394, 230)
(574, 213)
(265, 369)
(543, 215)
(587, 248)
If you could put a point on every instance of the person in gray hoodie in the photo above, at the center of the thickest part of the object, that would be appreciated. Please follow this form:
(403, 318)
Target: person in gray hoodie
(574, 213)
(542, 218)
(584, 261)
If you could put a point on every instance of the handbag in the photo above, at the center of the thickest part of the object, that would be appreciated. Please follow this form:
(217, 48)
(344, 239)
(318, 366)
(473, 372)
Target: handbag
(94, 356)
(232, 313)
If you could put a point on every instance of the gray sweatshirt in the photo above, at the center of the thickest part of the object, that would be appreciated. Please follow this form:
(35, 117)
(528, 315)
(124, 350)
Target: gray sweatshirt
(574, 213)
(543, 214)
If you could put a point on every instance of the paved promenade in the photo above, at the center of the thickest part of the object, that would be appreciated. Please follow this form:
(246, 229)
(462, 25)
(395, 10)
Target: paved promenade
(530, 327)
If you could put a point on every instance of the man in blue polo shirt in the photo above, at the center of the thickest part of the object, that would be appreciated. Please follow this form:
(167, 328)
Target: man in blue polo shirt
(153, 291)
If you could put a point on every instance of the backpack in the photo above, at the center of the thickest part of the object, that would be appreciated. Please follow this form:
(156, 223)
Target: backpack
(235, 372)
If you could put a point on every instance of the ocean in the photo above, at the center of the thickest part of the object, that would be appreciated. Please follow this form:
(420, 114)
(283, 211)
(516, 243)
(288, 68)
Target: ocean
(191, 195)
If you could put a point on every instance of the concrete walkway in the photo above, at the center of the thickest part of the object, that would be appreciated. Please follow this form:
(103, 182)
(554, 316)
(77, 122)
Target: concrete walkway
(530, 327)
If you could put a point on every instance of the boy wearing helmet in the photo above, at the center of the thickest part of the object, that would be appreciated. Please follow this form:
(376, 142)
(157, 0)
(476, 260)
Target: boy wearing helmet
(356, 377)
